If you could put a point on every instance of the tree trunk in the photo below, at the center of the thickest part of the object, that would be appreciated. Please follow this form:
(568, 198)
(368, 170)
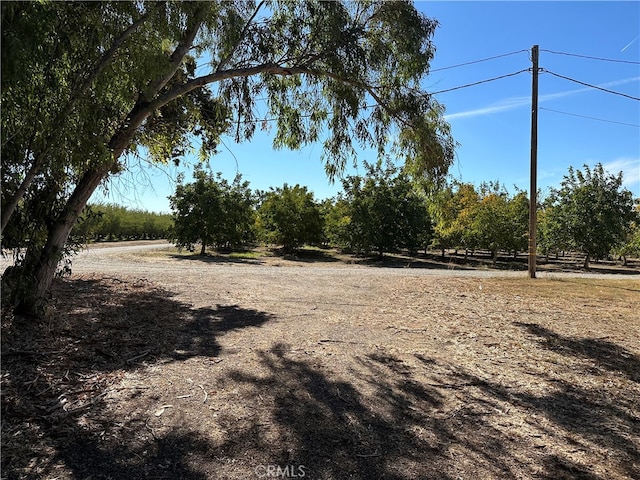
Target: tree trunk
(586, 262)
(8, 209)
(202, 249)
(44, 268)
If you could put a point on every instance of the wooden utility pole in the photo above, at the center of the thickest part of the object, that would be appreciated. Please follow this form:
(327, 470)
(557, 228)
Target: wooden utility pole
(533, 188)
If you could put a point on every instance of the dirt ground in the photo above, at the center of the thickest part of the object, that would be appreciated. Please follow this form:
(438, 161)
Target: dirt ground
(156, 365)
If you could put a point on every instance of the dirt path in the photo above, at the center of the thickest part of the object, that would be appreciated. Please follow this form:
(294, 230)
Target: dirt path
(125, 258)
(153, 366)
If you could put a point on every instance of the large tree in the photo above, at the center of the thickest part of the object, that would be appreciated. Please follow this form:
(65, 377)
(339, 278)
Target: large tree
(212, 212)
(453, 209)
(386, 212)
(290, 216)
(591, 212)
(86, 86)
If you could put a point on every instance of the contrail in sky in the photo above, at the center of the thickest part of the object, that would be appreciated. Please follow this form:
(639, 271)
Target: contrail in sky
(629, 44)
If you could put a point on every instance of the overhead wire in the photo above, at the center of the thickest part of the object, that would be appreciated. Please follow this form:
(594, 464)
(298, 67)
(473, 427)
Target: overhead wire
(590, 118)
(365, 107)
(476, 61)
(590, 57)
(481, 81)
(265, 120)
(588, 84)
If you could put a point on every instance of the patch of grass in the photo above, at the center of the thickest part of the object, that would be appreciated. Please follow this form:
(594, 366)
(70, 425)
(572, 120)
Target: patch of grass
(248, 255)
(622, 292)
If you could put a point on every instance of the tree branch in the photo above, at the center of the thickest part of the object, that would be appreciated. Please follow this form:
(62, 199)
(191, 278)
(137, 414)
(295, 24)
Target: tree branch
(223, 63)
(269, 68)
(106, 58)
(176, 57)
(73, 99)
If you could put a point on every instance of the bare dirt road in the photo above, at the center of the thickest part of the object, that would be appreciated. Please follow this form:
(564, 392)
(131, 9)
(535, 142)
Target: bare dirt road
(154, 365)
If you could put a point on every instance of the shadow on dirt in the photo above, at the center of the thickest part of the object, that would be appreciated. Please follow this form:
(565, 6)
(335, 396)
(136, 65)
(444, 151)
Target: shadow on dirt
(56, 371)
(384, 417)
(331, 429)
(606, 355)
(384, 423)
(587, 416)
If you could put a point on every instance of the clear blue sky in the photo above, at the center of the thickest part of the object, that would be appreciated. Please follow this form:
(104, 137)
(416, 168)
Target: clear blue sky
(490, 121)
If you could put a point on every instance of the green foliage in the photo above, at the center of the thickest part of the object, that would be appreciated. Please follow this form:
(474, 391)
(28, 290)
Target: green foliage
(114, 222)
(631, 245)
(500, 222)
(591, 212)
(385, 212)
(337, 220)
(290, 216)
(453, 212)
(212, 212)
(518, 214)
(488, 218)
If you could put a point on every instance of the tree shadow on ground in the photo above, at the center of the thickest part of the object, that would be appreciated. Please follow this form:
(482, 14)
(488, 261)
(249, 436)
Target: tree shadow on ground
(56, 370)
(381, 424)
(385, 416)
(576, 414)
(606, 355)
(387, 422)
(591, 414)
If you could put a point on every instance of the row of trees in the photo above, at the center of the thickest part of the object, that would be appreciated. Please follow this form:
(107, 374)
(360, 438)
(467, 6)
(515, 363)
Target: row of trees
(380, 212)
(115, 222)
(383, 211)
(487, 218)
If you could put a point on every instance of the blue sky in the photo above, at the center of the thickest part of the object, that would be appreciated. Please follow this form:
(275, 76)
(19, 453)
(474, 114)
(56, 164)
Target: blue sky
(490, 121)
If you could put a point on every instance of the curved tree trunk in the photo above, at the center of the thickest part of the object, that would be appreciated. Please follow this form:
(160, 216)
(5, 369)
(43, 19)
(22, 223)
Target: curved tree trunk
(47, 261)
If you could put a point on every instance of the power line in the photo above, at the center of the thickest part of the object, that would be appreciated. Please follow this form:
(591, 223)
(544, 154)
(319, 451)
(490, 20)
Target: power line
(589, 85)
(590, 118)
(476, 61)
(590, 57)
(365, 107)
(481, 81)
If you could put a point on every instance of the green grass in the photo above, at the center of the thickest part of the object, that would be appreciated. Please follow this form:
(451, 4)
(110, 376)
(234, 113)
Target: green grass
(249, 255)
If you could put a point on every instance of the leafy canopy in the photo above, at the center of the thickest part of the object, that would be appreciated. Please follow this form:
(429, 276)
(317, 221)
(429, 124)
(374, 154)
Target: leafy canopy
(591, 212)
(386, 213)
(290, 216)
(212, 212)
